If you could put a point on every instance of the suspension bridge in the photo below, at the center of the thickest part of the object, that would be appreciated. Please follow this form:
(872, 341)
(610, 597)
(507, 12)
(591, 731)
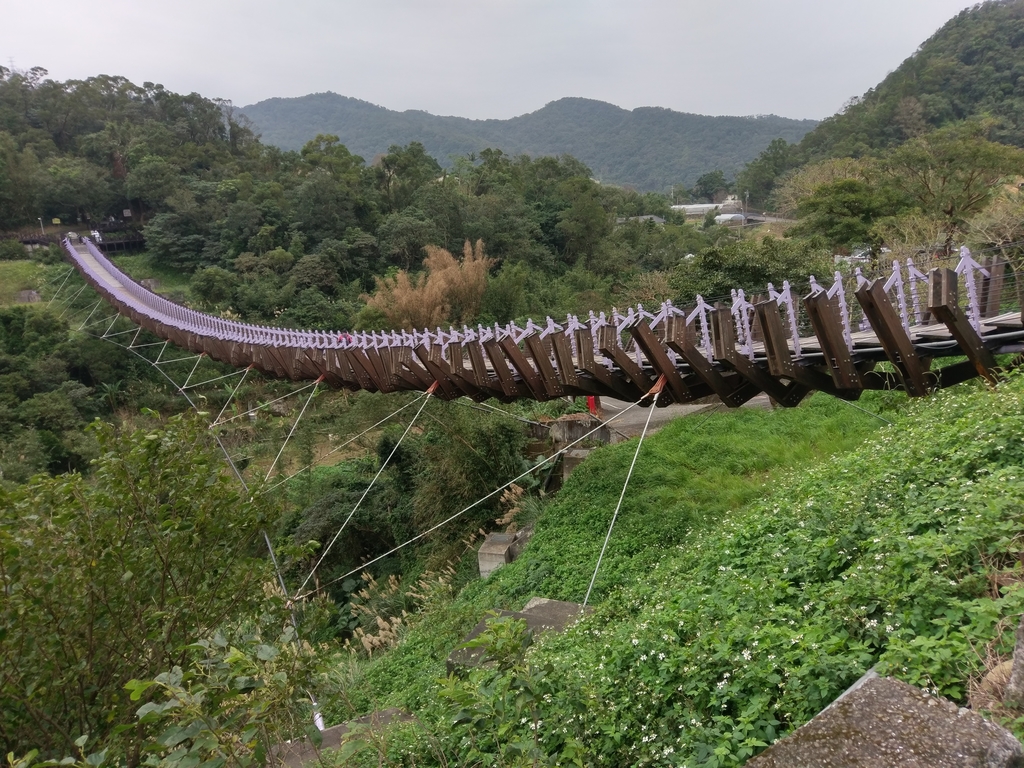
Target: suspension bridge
(830, 340)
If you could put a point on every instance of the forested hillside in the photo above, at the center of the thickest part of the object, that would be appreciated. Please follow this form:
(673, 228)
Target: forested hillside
(750, 577)
(649, 148)
(971, 68)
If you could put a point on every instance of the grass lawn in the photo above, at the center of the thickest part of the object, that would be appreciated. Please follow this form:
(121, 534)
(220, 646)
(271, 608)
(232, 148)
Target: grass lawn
(17, 276)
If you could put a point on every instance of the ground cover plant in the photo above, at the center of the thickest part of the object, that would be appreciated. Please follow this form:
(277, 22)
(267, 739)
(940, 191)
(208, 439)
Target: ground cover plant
(903, 553)
(690, 474)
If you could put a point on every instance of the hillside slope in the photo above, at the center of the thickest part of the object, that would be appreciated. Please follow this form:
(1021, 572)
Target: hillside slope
(972, 67)
(718, 631)
(649, 147)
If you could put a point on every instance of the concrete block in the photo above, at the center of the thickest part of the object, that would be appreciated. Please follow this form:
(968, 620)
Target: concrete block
(574, 426)
(540, 615)
(495, 552)
(885, 723)
(571, 460)
(1013, 694)
(300, 752)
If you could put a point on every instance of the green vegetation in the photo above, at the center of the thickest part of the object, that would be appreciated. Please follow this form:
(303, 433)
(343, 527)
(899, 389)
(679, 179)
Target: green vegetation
(747, 583)
(690, 475)
(144, 266)
(111, 579)
(903, 553)
(650, 148)
(750, 577)
(16, 276)
(968, 70)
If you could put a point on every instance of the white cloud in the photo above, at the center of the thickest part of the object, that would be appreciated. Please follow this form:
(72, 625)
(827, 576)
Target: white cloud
(488, 58)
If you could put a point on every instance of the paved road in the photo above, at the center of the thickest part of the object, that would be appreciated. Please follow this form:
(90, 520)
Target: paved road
(632, 423)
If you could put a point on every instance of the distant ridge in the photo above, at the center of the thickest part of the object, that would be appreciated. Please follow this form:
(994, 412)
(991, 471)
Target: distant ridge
(650, 148)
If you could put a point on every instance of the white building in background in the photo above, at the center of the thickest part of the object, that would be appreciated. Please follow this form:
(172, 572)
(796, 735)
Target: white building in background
(731, 204)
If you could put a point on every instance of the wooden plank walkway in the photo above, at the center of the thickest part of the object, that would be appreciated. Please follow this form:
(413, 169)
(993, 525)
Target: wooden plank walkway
(730, 352)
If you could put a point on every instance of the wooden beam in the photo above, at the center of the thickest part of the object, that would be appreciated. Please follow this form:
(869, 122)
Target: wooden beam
(438, 368)
(615, 385)
(724, 336)
(481, 376)
(566, 364)
(679, 336)
(992, 286)
(781, 362)
(823, 313)
(655, 352)
(942, 302)
(499, 365)
(893, 337)
(465, 378)
(776, 340)
(542, 361)
(608, 345)
(527, 373)
(956, 373)
(360, 365)
(383, 377)
(404, 359)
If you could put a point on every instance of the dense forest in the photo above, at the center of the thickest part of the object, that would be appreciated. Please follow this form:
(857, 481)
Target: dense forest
(971, 68)
(142, 621)
(649, 148)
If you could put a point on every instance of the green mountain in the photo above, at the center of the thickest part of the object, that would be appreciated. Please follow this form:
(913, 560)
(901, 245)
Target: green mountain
(972, 67)
(650, 148)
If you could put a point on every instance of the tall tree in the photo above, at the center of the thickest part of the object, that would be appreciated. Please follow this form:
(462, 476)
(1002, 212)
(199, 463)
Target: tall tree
(952, 173)
(711, 187)
(110, 579)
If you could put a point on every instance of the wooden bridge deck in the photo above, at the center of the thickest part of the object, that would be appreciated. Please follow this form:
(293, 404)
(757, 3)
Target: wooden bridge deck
(732, 352)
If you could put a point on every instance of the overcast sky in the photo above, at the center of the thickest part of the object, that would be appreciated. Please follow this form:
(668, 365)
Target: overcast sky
(486, 58)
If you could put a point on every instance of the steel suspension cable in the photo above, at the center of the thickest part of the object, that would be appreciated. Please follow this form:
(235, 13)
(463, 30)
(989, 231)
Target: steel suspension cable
(60, 287)
(476, 503)
(426, 396)
(231, 397)
(267, 404)
(347, 442)
(316, 385)
(216, 437)
(625, 485)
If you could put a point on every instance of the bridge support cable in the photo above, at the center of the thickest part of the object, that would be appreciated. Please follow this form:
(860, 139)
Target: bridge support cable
(539, 465)
(425, 397)
(865, 410)
(316, 385)
(231, 397)
(656, 392)
(67, 303)
(59, 288)
(343, 445)
(199, 359)
(215, 379)
(220, 444)
(89, 316)
(267, 404)
(101, 321)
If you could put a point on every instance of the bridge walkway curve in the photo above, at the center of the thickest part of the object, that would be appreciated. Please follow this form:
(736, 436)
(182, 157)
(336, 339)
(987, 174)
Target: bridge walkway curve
(832, 339)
